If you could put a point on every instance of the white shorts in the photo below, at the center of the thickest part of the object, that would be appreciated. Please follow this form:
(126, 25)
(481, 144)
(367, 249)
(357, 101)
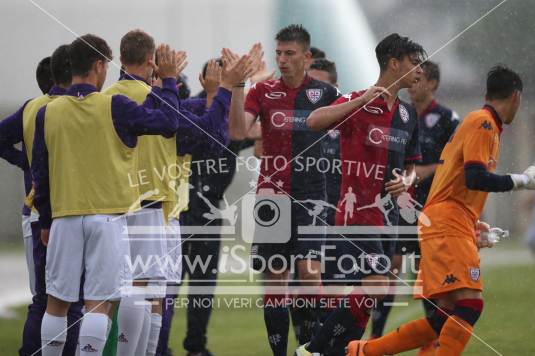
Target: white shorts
(28, 248)
(90, 246)
(174, 251)
(148, 244)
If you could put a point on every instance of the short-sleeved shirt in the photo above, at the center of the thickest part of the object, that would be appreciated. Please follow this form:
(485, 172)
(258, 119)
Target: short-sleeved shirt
(375, 142)
(475, 142)
(436, 125)
(291, 150)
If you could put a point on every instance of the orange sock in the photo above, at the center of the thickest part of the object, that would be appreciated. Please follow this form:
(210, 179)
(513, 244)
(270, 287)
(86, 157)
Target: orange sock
(454, 336)
(407, 337)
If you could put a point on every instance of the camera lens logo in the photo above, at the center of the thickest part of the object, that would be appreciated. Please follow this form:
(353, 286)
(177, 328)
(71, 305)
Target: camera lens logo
(266, 217)
(266, 213)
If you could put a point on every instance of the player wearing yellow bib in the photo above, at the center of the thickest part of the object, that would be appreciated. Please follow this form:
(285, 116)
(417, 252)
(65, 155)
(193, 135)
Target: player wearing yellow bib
(83, 153)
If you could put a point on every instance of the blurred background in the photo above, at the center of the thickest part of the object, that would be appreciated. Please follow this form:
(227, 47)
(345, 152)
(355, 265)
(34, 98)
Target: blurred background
(347, 30)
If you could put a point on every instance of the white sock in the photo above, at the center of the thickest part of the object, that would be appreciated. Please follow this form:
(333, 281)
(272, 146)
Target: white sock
(53, 334)
(130, 323)
(93, 334)
(141, 349)
(154, 335)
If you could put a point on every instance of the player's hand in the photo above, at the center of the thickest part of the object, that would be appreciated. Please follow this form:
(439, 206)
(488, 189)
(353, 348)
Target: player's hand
(488, 237)
(525, 180)
(45, 234)
(167, 62)
(372, 93)
(482, 228)
(236, 72)
(212, 78)
(400, 184)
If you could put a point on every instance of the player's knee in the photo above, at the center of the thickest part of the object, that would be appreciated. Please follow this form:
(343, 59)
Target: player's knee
(57, 307)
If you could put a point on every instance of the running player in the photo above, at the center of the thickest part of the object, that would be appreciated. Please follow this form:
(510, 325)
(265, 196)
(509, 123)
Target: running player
(80, 169)
(450, 264)
(436, 125)
(378, 149)
(283, 106)
(53, 77)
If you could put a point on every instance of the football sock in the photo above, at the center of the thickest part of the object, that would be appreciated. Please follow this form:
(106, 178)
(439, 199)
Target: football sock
(408, 336)
(380, 314)
(276, 318)
(458, 328)
(154, 334)
(130, 322)
(53, 334)
(143, 340)
(454, 337)
(340, 321)
(93, 334)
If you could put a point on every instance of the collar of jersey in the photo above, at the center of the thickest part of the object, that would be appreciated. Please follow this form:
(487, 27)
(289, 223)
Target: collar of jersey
(128, 76)
(306, 80)
(83, 89)
(56, 90)
(495, 116)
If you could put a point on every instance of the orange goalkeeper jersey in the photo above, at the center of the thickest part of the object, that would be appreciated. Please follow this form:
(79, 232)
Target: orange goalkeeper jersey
(476, 141)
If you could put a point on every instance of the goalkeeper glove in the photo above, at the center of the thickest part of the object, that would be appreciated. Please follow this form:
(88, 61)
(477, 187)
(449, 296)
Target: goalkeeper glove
(525, 180)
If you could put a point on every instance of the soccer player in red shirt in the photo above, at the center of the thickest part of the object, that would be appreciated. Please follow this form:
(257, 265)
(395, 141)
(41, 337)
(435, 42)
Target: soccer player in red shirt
(282, 106)
(378, 148)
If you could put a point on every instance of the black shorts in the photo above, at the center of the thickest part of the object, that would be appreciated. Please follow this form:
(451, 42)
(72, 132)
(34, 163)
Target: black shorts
(349, 259)
(407, 244)
(300, 246)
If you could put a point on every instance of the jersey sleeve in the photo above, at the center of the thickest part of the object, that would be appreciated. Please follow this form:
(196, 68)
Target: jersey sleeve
(253, 100)
(478, 144)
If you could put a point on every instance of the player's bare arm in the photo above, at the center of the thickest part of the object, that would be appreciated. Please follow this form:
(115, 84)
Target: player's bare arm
(327, 116)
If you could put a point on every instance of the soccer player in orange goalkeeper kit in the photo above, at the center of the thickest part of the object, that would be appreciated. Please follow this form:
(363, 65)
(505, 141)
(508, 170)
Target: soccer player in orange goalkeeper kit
(450, 266)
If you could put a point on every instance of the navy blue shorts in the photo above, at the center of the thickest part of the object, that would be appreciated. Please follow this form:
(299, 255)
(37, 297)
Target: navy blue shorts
(349, 259)
(300, 246)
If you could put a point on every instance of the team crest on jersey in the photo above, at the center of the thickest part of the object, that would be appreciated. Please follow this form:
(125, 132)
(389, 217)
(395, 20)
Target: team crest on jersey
(403, 113)
(431, 119)
(475, 273)
(314, 95)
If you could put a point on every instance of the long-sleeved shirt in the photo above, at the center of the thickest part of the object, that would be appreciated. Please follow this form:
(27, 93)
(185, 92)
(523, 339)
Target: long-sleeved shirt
(212, 132)
(11, 133)
(129, 120)
(198, 126)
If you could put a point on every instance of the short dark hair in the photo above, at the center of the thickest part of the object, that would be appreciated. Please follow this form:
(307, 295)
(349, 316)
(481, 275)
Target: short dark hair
(317, 53)
(136, 45)
(294, 33)
(502, 82)
(396, 46)
(205, 66)
(60, 66)
(43, 75)
(431, 70)
(327, 66)
(86, 50)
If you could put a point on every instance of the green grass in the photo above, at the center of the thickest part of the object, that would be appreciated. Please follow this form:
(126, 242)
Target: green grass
(507, 322)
